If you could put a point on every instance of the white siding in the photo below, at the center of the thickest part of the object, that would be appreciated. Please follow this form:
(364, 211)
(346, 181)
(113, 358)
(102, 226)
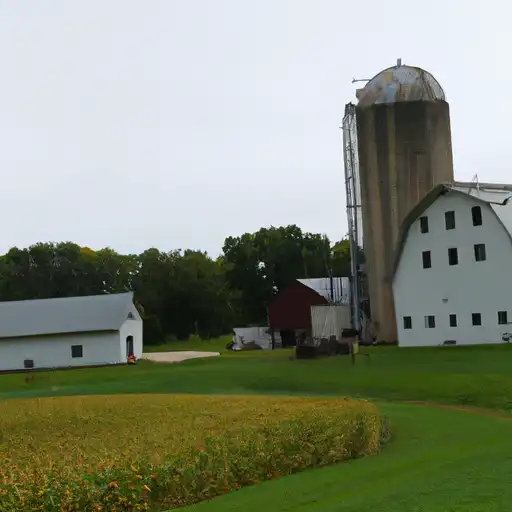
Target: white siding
(131, 328)
(55, 351)
(470, 287)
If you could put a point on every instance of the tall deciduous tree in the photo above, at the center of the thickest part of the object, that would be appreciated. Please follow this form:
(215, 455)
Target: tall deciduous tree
(262, 263)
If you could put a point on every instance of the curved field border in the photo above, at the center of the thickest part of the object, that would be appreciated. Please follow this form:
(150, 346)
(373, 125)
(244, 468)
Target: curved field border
(442, 459)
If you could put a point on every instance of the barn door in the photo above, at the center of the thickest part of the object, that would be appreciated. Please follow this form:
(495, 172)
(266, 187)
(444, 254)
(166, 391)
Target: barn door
(129, 346)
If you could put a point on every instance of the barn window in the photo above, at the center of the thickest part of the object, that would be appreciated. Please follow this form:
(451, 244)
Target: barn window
(77, 351)
(453, 256)
(502, 317)
(449, 219)
(424, 224)
(430, 322)
(407, 322)
(427, 259)
(453, 320)
(476, 318)
(476, 213)
(480, 254)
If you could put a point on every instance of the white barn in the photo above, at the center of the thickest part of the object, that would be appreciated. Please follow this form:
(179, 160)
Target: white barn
(66, 332)
(452, 278)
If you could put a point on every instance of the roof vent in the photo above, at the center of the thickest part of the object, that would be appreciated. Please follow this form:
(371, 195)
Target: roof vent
(398, 63)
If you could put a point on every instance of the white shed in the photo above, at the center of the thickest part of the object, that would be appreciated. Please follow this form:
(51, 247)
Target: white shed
(65, 332)
(452, 280)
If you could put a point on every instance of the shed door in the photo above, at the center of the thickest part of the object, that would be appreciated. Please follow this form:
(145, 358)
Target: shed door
(129, 346)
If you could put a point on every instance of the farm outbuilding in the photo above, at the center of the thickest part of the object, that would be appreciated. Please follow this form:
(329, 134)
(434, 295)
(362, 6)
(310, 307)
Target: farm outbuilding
(66, 332)
(289, 312)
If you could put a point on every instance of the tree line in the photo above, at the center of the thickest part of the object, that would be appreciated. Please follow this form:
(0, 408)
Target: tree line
(179, 293)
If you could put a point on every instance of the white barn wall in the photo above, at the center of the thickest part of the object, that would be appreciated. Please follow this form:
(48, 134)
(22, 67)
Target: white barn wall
(470, 287)
(55, 351)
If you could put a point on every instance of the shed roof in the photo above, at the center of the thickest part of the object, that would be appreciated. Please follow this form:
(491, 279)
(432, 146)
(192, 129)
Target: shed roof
(64, 315)
(322, 285)
(496, 195)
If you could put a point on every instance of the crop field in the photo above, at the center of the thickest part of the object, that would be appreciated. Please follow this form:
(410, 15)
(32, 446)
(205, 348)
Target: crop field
(151, 452)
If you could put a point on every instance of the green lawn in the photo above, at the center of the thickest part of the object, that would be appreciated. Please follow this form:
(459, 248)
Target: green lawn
(438, 460)
(478, 376)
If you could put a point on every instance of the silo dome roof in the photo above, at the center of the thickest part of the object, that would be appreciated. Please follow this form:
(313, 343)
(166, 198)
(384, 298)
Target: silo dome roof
(400, 84)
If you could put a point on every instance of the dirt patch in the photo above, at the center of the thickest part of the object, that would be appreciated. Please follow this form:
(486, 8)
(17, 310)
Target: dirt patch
(177, 357)
(473, 410)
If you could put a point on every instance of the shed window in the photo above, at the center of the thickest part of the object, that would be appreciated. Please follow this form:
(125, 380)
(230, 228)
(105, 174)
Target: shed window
(427, 260)
(453, 320)
(476, 318)
(476, 214)
(480, 254)
(424, 224)
(449, 219)
(77, 351)
(407, 322)
(453, 256)
(430, 321)
(502, 317)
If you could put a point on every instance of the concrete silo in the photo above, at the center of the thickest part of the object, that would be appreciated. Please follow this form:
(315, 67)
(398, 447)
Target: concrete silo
(405, 149)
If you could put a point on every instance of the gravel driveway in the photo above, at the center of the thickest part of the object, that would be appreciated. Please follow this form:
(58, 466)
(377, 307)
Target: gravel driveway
(176, 357)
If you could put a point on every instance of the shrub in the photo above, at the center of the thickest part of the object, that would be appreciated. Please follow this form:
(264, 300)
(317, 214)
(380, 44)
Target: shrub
(220, 453)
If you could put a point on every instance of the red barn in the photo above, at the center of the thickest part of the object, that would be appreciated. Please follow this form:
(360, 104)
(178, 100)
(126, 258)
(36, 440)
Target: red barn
(290, 310)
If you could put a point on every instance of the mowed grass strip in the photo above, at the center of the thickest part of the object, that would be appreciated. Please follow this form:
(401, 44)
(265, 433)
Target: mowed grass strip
(151, 452)
(479, 376)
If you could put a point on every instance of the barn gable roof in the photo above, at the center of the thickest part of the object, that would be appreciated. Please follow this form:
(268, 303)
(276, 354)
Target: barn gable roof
(65, 315)
(338, 294)
(495, 195)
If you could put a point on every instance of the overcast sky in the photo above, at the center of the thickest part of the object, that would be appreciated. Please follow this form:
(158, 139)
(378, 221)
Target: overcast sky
(174, 124)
